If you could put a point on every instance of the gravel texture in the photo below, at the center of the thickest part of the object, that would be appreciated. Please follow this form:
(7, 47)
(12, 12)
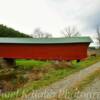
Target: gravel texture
(92, 92)
(60, 87)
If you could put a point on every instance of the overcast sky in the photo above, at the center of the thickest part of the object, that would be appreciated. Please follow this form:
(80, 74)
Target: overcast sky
(51, 15)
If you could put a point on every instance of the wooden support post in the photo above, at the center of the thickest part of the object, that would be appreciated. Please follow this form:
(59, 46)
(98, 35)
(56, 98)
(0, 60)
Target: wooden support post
(78, 60)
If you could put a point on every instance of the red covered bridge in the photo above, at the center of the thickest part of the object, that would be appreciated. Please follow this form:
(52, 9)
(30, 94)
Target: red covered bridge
(69, 48)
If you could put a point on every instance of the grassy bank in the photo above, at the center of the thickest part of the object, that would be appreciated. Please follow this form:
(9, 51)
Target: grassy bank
(50, 77)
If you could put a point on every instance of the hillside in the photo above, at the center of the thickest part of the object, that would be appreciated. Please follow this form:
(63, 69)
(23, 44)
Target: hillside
(10, 32)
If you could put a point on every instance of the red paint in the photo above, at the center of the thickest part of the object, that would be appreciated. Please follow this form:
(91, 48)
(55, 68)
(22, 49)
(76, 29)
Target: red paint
(44, 51)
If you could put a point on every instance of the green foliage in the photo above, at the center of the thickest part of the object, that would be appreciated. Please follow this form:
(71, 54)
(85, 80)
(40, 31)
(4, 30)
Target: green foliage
(29, 64)
(9, 32)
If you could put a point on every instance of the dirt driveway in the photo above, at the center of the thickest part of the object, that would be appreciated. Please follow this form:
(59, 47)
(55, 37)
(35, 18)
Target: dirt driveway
(61, 86)
(91, 92)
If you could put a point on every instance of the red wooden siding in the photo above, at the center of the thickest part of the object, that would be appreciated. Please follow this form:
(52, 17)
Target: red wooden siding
(45, 51)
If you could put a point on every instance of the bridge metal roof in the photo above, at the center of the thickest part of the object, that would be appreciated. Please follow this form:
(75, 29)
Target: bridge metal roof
(6, 40)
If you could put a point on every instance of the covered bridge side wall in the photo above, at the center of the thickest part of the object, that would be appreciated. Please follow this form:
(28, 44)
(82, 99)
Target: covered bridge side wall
(44, 51)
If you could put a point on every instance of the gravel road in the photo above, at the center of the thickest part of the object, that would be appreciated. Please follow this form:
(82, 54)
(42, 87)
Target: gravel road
(58, 88)
(91, 92)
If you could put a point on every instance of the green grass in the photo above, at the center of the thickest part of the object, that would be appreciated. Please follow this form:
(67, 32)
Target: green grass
(29, 64)
(50, 77)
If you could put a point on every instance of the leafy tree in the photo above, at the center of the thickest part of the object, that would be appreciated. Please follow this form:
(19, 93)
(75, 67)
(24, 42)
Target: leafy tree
(10, 32)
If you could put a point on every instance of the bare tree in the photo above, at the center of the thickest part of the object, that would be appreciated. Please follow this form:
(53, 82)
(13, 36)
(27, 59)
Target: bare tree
(70, 32)
(48, 35)
(37, 33)
(98, 35)
(40, 34)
